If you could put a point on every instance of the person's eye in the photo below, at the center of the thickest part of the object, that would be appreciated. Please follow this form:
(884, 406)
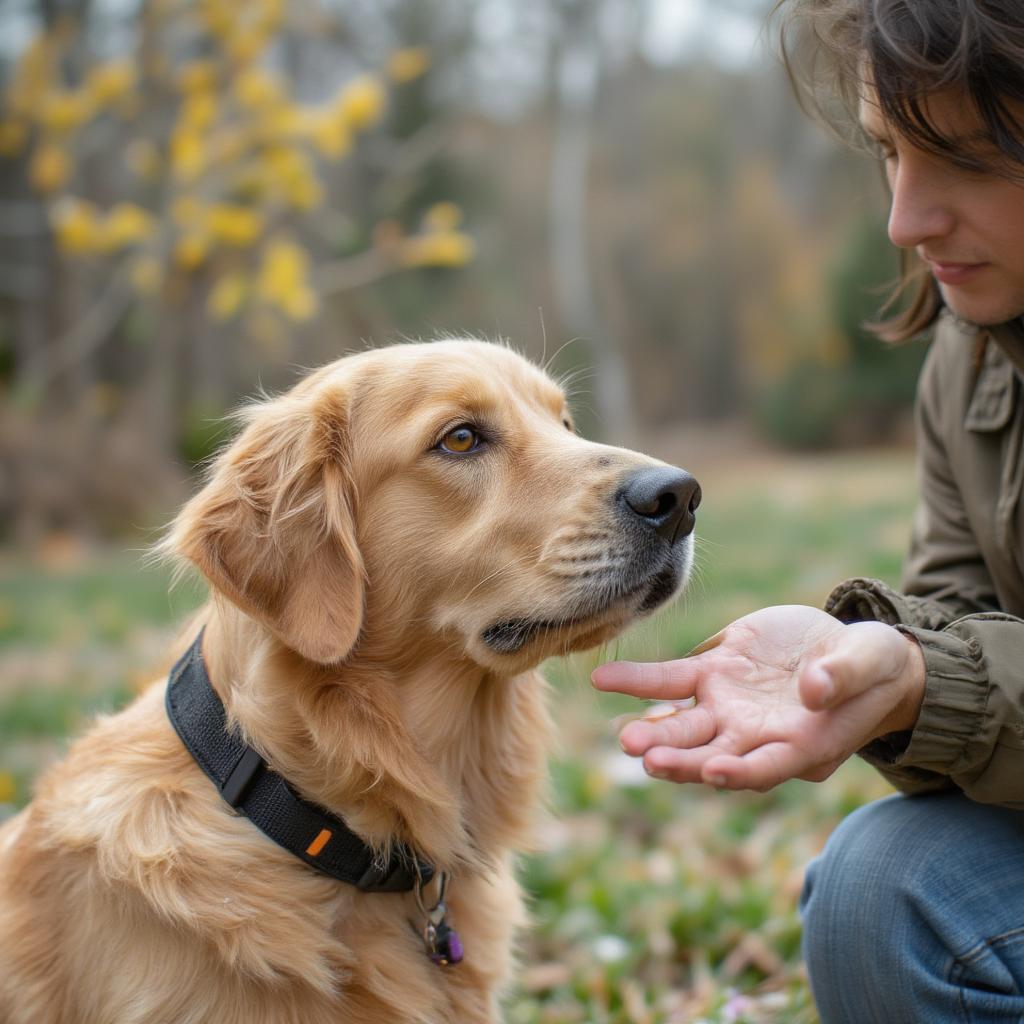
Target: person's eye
(460, 441)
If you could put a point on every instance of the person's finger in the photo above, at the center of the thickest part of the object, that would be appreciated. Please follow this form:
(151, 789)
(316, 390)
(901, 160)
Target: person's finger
(863, 655)
(762, 768)
(682, 765)
(688, 727)
(655, 680)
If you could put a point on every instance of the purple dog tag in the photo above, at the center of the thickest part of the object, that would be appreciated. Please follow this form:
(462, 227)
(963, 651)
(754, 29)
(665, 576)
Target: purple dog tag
(447, 946)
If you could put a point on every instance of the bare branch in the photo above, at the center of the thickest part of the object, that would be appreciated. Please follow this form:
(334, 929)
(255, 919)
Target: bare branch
(354, 272)
(88, 333)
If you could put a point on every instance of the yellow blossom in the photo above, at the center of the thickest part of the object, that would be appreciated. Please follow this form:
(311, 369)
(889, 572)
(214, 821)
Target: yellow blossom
(192, 249)
(220, 17)
(65, 111)
(227, 295)
(197, 76)
(50, 168)
(198, 111)
(233, 224)
(305, 192)
(409, 63)
(283, 280)
(301, 304)
(331, 136)
(361, 102)
(438, 249)
(76, 225)
(293, 177)
(13, 135)
(7, 788)
(255, 89)
(126, 224)
(446, 216)
(110, 81)
(188, 157)
(286, 121)
(271, 13)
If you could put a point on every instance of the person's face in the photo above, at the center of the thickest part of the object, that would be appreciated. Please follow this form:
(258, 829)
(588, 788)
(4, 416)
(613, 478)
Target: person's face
(968, 226)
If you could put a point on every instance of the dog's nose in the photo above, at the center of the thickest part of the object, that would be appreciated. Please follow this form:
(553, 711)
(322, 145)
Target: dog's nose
(666, 498)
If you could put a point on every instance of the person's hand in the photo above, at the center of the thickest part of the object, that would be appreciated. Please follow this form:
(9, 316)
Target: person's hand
(786, 692)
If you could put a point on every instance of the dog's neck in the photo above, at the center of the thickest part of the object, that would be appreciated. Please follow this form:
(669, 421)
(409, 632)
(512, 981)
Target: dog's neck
(424, 759)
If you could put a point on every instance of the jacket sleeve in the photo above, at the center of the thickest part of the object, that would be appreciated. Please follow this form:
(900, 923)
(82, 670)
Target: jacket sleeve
(970, 733)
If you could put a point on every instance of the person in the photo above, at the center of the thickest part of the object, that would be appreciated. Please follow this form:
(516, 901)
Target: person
(914, 912)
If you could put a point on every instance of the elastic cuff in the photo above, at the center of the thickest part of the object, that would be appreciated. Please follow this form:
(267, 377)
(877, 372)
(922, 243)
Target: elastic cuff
(860, 600)
(952, 713)
(864, 600)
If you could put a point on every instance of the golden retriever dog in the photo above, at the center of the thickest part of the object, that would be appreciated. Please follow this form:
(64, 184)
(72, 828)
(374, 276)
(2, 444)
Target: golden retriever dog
(392, 547)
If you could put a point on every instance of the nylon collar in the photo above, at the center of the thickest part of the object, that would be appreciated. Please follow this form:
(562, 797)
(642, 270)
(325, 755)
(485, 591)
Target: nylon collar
(250, 786)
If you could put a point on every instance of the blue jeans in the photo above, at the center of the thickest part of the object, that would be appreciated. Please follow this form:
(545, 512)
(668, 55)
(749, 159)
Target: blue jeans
(914, 914)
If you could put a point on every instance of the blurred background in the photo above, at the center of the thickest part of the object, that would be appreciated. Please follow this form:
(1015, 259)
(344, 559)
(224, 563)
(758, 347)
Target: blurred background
(198, 198)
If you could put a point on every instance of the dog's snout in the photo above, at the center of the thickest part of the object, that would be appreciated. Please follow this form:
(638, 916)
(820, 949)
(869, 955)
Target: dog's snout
(665, 498)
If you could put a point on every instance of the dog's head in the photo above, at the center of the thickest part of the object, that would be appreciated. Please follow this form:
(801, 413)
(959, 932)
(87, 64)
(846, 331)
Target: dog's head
(436, 496)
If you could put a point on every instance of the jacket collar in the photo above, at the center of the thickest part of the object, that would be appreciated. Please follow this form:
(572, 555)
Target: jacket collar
(994, 391)
(1010, 338)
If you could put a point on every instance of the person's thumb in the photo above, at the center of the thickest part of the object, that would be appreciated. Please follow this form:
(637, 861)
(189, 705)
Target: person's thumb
(862, 655)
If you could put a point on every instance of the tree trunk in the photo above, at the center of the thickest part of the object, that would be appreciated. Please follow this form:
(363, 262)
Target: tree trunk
(577, 74)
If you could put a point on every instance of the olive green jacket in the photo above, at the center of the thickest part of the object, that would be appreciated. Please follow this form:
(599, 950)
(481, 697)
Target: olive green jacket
(962, 593)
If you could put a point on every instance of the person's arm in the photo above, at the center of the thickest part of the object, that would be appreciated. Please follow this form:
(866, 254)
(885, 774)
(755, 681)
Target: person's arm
(930, 684)
(970, 718)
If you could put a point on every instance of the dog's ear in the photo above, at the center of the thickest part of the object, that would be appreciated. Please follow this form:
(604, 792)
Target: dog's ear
(273, 529)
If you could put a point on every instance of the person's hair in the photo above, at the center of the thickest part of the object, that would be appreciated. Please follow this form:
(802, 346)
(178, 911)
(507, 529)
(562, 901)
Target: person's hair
(903, 51)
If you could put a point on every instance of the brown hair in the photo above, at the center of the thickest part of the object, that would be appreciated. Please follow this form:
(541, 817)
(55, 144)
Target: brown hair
(910, 49)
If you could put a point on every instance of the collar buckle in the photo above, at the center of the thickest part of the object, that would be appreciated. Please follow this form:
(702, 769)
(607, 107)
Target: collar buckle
(399, 874)
(236, 785)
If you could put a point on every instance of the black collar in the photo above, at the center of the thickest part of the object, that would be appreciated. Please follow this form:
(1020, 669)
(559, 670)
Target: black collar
(245, 781)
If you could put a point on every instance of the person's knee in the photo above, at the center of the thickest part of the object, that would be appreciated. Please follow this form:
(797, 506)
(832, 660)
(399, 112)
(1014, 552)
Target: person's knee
(861, 878)
(901, 855)
(905, 889)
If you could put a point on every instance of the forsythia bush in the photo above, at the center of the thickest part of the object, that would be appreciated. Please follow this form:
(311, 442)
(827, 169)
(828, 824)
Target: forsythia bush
(213, 171)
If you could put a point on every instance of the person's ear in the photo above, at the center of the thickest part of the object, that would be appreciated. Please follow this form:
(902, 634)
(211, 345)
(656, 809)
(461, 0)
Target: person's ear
(273, 529)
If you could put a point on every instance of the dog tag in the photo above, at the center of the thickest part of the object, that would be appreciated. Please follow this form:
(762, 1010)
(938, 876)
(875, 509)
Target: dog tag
(444, 947)
(447, 946)
(442, 942)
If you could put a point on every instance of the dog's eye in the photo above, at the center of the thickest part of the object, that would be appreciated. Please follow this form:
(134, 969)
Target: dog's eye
(460, 440)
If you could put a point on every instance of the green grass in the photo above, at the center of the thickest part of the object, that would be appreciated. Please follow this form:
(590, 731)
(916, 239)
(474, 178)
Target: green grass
(652, 903)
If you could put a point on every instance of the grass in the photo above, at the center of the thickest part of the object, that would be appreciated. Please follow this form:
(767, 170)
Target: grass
(652, 903)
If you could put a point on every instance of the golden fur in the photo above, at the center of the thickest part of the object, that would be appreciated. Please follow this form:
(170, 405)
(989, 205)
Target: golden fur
(353, 569)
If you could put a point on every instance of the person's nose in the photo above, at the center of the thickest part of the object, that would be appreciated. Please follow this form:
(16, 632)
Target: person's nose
(920, 211)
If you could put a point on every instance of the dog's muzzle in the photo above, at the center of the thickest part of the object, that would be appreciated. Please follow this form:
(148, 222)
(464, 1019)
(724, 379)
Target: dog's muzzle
(655, 511)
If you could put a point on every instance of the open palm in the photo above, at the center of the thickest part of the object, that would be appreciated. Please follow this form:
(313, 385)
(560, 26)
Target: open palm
(786, 692)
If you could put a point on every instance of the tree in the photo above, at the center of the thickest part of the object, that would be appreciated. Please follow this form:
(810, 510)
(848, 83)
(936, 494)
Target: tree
(197, 188)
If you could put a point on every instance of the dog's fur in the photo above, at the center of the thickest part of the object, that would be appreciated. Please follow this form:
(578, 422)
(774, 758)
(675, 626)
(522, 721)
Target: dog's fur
(378, 606)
